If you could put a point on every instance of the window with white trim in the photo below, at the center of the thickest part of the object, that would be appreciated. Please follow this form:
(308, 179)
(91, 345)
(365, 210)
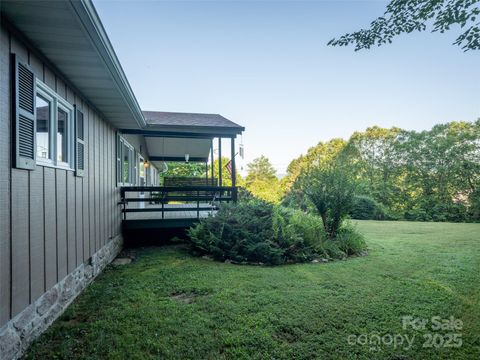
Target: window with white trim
(55, 129)
(125, 162)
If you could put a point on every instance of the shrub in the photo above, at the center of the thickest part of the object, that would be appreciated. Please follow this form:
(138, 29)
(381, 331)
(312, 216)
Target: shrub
(331, 189)
(350, 241)
(258, 232)
(366, 208)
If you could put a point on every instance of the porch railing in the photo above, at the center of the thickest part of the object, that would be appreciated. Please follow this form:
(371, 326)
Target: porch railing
(156, 199)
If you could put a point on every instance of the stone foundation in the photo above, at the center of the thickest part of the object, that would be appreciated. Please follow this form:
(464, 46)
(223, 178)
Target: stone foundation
(19, 332)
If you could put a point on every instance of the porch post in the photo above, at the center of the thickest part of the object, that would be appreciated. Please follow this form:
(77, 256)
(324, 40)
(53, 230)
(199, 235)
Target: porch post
(211, 162)
(234, 175)
(220, 161)
(206, 172)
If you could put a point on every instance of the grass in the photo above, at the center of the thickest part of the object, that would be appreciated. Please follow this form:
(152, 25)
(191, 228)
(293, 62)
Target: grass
(168, 304)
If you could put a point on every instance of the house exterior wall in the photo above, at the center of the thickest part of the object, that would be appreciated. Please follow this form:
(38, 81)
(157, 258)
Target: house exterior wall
(53, 225)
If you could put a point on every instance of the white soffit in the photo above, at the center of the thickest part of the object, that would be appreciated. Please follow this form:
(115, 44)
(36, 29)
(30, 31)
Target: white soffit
(178, 147)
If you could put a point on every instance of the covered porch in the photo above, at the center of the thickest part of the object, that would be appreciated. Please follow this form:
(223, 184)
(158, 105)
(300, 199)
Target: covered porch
(180, 201)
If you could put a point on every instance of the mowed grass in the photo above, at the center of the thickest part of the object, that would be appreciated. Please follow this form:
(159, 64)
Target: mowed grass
(170, 305)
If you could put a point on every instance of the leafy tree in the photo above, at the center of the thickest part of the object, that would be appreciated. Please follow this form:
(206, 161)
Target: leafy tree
(406, 16)
(331, 190)
(442, 168)
(184, 169)
(260, 169)
(430, 175)
(377, 167)
(226, 177)
(262, 180)
(320, 155)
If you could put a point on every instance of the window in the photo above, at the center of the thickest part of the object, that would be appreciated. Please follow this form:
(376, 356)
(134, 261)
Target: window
(62, 127)
(54, 128)
(44, 107)
(125, 162)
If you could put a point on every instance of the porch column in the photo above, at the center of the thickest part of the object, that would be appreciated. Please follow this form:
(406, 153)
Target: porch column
(234, 175)
(206, 172)
(220, 161)
(211, 162)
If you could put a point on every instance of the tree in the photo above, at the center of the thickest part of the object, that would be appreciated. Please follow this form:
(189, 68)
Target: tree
(319, 155)
(331, 189)
(262, 180)
(183, 169)
(260, 169)
(406, 16)
(226, 177)
(378, 160)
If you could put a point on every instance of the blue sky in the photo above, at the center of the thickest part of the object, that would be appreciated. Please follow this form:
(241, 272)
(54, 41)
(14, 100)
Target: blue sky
(266, 65)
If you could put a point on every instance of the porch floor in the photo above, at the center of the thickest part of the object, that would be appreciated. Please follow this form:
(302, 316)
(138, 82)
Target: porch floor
(170, 218)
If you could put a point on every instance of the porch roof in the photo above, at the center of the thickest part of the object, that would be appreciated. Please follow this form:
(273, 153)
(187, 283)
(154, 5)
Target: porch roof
(198, 123)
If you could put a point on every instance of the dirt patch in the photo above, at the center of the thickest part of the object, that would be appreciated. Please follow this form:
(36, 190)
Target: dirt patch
(184, 297)
(121, 261)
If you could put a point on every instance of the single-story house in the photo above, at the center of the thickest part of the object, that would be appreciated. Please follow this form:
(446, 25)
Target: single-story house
(72, 139)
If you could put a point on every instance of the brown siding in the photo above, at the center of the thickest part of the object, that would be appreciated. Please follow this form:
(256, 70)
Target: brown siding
(37, 220)
(20, 248)
(50, 227)
(20, 241)
(5, 170)
(79, 252)
(61, 201)
(51, 220)
(71, 223)
(91, 181)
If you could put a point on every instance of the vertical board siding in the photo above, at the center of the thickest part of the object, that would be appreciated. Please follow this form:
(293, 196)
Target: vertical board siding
(20, 227)
(37, 232)
(91, 182)
(5, 171)
(51, 220)
(79, 221)
(71, 223)
(110, 186)
(49, 77)
(61, 196)
(101, 168)
(86, 209)
(50, 227)
(20, 241)
(97, 183)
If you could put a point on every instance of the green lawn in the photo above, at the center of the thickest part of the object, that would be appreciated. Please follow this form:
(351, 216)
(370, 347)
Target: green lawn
(169, 304)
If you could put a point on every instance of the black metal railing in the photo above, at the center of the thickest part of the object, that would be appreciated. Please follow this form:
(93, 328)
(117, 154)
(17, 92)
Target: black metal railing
(185, 198)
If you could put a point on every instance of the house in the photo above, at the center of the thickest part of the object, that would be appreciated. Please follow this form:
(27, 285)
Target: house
(73, 141)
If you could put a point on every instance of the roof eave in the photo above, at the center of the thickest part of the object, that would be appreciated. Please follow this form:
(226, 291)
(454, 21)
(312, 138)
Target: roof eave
(90, 22)
(191, 128)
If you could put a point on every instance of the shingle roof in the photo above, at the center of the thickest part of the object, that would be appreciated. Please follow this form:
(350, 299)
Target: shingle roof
(189, 119)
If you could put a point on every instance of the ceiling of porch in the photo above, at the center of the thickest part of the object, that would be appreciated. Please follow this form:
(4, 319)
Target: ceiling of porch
(174, 149)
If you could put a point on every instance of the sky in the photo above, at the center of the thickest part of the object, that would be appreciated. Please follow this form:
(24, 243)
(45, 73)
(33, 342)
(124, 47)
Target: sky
(265, 65)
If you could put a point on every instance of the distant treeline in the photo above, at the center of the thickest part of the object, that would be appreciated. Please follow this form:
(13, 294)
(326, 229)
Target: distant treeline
(430, 175)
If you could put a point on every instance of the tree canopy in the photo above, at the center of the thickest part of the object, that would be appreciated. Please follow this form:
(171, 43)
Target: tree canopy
(431, 175)
(262, 180)
(406, 16)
